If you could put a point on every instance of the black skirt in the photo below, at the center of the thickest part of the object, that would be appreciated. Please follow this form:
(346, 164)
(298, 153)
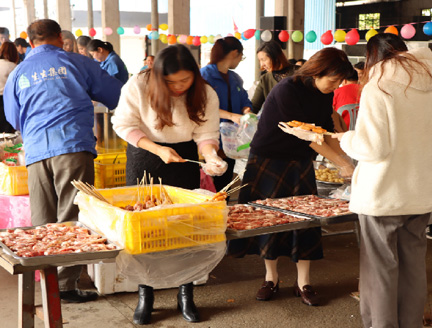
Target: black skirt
(183, 175)
(271, 178)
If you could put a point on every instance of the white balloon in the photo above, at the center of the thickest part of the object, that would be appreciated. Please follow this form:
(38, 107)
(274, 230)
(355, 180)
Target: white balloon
(266, 36)
(217, 37)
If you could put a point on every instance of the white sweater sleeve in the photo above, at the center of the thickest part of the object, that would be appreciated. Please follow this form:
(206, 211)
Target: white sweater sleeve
(371, 139)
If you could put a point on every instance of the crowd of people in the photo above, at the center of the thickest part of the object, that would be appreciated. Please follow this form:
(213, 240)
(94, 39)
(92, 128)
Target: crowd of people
(169, 114)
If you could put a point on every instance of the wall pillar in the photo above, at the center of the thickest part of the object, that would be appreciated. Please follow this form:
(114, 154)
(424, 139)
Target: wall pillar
(179, 17)
(31, 13)
(64, 14)
(155, 25)
(258, 13)
(111, 18)
(294, 11)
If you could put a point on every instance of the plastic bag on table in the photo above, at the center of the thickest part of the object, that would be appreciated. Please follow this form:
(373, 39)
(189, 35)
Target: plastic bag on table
(302, 134)
(171, 268)
(343, 192)
(236, 139)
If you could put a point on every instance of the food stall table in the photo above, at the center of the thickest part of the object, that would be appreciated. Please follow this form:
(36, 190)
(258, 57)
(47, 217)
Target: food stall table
(308, 223)
(47, 265)
(51, 308)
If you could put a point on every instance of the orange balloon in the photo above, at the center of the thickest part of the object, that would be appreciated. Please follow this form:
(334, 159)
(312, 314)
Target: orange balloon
(172, 39)
(391, 29)
(23, 35)
(148, 27)
(189, 39)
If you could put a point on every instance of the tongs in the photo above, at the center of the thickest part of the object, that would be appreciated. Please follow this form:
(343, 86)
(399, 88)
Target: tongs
(197, 162)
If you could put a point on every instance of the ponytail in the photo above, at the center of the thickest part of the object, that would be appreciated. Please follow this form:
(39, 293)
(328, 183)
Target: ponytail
(93, 45)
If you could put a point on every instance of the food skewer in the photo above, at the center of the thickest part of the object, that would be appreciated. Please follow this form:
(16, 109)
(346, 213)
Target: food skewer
(197, 162)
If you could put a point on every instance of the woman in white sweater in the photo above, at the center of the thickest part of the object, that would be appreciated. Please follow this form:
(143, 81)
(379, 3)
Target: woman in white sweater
(168, 114)
(392, 183)
(8, 60)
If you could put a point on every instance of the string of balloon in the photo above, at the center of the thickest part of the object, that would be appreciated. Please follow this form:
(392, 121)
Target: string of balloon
(352, 37)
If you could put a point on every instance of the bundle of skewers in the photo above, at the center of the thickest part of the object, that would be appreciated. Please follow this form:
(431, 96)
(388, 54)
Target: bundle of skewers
(146, 198)
(226, 191)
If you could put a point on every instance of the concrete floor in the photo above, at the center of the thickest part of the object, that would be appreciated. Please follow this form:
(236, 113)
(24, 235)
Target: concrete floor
(228, 298)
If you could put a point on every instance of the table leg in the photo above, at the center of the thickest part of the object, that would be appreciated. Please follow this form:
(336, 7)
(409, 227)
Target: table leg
(26, 296)
(51, 298)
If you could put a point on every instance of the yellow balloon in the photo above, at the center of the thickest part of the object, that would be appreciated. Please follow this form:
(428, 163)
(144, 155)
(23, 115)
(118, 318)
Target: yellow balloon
(237, 35)
(203, 39)
(163, 27)
(370, 34)
(339, 35)
(163, 38)
(78, 32)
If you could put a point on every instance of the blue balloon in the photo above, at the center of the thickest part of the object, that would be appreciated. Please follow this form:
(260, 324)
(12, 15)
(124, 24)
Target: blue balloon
(257, 35)
(154, 35)
(427, 28)
(243, 37)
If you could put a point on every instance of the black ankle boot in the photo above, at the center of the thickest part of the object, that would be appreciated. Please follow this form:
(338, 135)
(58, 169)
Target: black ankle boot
(186, 304)
(144, 308)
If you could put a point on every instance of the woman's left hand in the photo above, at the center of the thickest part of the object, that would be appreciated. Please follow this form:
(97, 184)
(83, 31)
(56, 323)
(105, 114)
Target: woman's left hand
(338, 136)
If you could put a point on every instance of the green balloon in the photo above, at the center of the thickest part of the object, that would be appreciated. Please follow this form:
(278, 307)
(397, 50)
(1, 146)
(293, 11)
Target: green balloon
(120, 30)
(311, 36)
(297, 36)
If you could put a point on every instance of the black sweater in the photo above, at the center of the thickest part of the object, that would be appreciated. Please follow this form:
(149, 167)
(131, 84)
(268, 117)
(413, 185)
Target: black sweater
(288, 101)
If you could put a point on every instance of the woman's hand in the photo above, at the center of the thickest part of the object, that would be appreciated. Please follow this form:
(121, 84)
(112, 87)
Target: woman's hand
(338, 136)
(246, 110)
(214, 166)
(169, 155)
(235, 118)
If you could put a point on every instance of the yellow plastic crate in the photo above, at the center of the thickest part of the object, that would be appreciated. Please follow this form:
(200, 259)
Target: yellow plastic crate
(110, 170)
(189, 222)
(13, 180)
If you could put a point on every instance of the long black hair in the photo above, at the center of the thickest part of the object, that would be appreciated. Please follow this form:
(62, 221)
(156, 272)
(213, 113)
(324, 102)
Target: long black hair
(223, 47)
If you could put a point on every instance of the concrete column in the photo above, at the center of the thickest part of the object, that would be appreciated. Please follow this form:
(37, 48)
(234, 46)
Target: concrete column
(64, 14)
(258, 13)
(90, 22)
(294, 11)
(179, 17)
(30, 8)
(155, 26)
(45, 3)
(111, 18)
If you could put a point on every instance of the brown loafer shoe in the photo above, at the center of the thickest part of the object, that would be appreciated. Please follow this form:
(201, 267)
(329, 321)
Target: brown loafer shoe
(308, 295)
(268, 288)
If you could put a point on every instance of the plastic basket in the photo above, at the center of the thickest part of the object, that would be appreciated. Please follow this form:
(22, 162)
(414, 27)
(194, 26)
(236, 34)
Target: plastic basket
(13, 180)
(110, 170)
(189, 222)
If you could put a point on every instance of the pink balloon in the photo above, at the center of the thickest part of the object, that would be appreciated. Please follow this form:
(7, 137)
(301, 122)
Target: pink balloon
(408, 31)
(108, 30)
(196, 41)
(283, 36)
(352, 37)
(327, 37)
(137, 29)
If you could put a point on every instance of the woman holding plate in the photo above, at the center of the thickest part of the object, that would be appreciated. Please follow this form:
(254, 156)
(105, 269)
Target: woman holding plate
(281, 165)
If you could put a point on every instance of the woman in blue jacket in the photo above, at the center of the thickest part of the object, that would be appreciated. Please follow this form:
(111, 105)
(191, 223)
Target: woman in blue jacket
(225, 56)
(104, 53)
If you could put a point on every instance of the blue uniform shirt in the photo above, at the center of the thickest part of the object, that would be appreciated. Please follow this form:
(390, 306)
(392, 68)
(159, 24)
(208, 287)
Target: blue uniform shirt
(239, 96)
(115, 67)
(48, 98)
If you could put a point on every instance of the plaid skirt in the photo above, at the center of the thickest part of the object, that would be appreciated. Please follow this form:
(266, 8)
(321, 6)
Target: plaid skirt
(274, 178)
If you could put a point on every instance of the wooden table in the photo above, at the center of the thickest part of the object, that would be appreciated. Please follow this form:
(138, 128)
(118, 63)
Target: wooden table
(50, 312)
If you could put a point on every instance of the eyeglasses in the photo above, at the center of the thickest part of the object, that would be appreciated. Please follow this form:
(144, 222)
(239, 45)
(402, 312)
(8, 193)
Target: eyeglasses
(243, 58)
